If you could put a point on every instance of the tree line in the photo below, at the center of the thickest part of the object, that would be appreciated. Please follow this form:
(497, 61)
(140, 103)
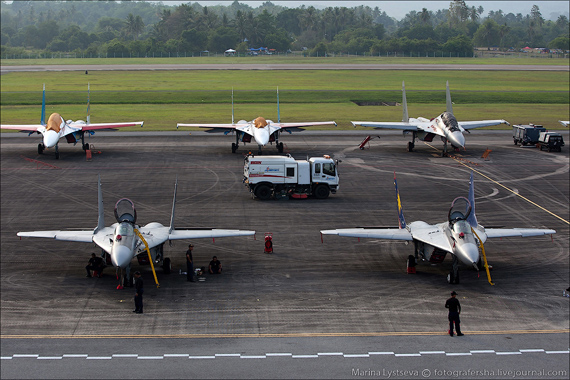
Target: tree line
(133, 28)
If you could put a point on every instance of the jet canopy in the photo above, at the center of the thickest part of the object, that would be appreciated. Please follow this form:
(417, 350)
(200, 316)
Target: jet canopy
(125, 211)
(450, 121)
(459, 210)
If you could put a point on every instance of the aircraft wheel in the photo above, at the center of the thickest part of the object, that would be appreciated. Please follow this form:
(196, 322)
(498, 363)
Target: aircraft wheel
(410, 146)
(167, 265)
(40, 148)
(263, 192)
(321, 192)
(234, 147)
(57, 155)
(457, 279)
(86, 146)
(450, 278)
(280, 147)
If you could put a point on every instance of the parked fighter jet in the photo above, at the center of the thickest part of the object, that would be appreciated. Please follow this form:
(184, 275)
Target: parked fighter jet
(460, 235)
(125, 240)
(57, 127)
(444, 125)
(263, 131)
(564, 123)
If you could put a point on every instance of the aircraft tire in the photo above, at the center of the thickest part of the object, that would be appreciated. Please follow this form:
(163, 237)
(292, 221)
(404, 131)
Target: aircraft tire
(234, 147)
(410, 146)
(85, 146)
(263, 192)
(40, 148)
(167, 265)
(280, 147)
(57, 155)
(321, 192)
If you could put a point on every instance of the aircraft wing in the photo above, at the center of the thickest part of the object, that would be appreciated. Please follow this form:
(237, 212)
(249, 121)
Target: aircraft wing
(432, 235)
(94, 126)
(24, 127)
(517, 232)
(401, 125)
(206, 233)
(79, 236)
(302, 124)
(372, 233)
(480, 124)
(215, 126)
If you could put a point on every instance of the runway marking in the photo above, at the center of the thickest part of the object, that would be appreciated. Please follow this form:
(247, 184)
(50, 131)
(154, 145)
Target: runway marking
(282, 354)
(516, 193)
(291, 335)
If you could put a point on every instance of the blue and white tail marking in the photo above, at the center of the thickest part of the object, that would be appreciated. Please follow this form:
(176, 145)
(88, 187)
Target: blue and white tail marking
(401, 220)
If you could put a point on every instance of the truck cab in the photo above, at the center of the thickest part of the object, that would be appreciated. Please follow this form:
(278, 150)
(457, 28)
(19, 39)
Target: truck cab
(551, 141)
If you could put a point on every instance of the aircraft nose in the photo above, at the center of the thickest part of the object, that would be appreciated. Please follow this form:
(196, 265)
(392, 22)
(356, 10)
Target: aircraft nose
(50, 138)
(261, 136)
(468, 253)
(457, 139)
(121, 256)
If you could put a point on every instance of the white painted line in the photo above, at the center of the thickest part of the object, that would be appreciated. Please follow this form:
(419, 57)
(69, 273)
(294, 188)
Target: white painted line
(175, 355)
(532, 350)
(558, 352)
(304, 356)
(405, 355)
(482, 351)
(5, 358)
(458, 354)
(381, 353)
(25, 356)
(509, 353)
(279, 354)
(125, 355)
(252, 356)
(99, 357)
(201, 357)
(227, 355)
(75, 355)
(49, 357)
(432, 352)
(330, 353)
(150, 357)
(356, 355)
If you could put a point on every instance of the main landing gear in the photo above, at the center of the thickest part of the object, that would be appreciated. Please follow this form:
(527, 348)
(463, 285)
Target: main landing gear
(453, 276)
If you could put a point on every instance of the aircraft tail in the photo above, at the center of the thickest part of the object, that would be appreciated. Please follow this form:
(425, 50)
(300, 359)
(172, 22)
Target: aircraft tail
(101, 209)
(278, 114)
(233, 106)
(88, 111)
(401, 220)
(43, 115)
(448, 103)
(405, 117)
(173, 206)
(472, 219)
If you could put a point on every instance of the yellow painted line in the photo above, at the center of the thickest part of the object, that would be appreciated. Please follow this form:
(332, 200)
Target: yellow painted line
(517, 194)
(290, 335)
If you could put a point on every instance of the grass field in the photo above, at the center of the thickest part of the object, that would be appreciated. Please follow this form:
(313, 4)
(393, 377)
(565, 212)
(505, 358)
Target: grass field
(163, 98)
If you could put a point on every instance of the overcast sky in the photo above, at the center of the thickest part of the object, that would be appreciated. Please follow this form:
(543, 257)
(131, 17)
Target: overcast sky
(398, 8)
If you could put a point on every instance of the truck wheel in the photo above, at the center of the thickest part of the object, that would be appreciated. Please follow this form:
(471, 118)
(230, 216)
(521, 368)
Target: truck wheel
(166, 265)
(263, 192)
(321, 192)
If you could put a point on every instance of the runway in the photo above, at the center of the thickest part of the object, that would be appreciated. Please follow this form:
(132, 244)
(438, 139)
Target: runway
(311, 309)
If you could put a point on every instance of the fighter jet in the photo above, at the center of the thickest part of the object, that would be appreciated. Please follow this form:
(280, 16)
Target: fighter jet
(564, 123)
(263, 131)
(57, 127)
(445, 125)
(125, 240)
(461, 235)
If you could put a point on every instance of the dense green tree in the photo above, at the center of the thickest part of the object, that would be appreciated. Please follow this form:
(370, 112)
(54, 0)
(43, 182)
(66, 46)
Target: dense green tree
(488, 34)
(222, 39)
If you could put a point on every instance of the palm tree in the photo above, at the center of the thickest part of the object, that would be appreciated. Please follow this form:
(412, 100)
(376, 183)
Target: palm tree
(503, 31)
(424, 16)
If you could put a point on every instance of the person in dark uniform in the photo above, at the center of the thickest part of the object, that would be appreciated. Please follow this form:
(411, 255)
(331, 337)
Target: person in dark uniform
(454, 310)
(95, 264)
(215, 266)
(139, 290)
(189, 264)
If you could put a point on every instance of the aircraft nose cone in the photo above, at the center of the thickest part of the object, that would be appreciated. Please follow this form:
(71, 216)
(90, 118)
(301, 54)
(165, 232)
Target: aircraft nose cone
(121, 256)
(469, 254)
(457, 140)
(50, 138)
(261, 136)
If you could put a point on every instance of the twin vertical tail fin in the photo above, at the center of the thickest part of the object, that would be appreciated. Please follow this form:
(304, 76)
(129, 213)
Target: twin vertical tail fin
(472, 219)
(401, 220)
(88, 110)
(173, 206)
(278, 113)
(233, 106)
(405, 117)
(43, 115)
(449, 106)
(101, 209)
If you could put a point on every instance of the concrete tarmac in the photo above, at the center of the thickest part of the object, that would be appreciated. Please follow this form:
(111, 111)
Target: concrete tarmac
(340, 288)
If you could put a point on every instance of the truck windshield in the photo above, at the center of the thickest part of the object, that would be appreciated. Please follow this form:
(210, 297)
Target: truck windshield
(329, 169)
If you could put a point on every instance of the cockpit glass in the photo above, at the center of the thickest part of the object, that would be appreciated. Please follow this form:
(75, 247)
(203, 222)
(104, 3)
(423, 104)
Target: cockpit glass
(462, 226)
(450, 121)
(125, 229)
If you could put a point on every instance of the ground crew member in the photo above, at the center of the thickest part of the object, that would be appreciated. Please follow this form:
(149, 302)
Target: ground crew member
(215, 266)
(95, 264)
(454, 310)
(139, 290)
(189, 264)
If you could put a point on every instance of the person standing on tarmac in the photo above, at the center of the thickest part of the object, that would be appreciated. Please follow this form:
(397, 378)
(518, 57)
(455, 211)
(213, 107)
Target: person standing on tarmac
(139, 290)
(454, 310)
(189, 264)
